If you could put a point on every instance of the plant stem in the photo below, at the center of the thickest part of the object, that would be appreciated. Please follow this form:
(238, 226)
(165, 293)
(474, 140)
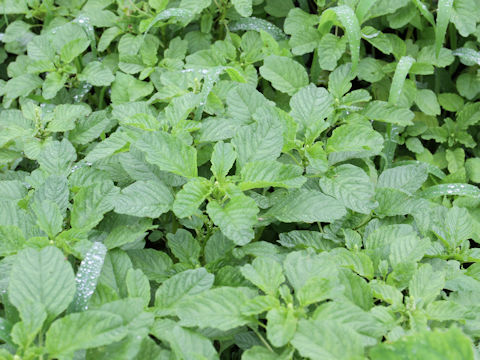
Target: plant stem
(101, 98)
(262, 339)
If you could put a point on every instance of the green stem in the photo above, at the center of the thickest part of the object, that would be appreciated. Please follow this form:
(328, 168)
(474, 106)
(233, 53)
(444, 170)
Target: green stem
(78, 65)
(262, 339)
(101, 98)
(40, 343)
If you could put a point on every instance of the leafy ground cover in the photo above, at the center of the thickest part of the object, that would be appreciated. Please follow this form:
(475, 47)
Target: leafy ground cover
(244, 179)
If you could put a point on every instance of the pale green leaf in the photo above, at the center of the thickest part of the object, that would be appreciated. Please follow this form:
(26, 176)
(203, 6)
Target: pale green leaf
(385, 112)
(144, 199)
(180, 287)
(236, 218)
(352, 141)
(259, 141)
(91, 203)
(285, 74)
(426, 285)
(310, 107)
(434, 344)
(218, 308)
(83, 330)
(427, 102)
(243, 7)
(408, 178)
(222, 160)
(97, 74)
(44, 277)
(11, 240)
(191, 196)
(260, 174)
(169, 153)
(265, 273)
(327, 340)
(306, 206)
(138, 285)
(281, 326)
(352, 186)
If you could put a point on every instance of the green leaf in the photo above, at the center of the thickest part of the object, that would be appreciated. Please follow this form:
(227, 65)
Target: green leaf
(265, 273)
(56, 157)
(454, 226)
(53, 83)
(437, 344)
(408, 178)
(169, 153)
(259, 141)
(465, 16)
(144, 199)
(33, 316)
(11, 240)
(426, 100)
(401, 72)
(352, 186)
(327, 339)
(83, 330)
(218, 308)
(22, 85)
(223, 157)
(262, 353)
(195, 6)
(44, 277)
(310, 107)
(49, 217)
(65, 115)
(300, 25)
(191, 196)
(138, 285)
(236, 218)
(285, 74)
(304, 239)
(188, 344)
(243, 7)
(281, 325)
(73, 48)
(331, 48)
(472, 165)
(243, 101)
(155, 264)
(91, 203)
(179, 287)
(260, 174)
(385, 112)
(353, 141)
(90, 128)
(426, 285)
(444, 12)
(306, 206)
(126, 88)
(97, 74)
(184, 247)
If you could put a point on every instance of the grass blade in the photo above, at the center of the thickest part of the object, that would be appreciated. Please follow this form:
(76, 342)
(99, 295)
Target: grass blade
(443, 18)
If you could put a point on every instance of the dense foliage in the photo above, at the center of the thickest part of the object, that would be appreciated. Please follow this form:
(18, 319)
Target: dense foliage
(239, 179)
